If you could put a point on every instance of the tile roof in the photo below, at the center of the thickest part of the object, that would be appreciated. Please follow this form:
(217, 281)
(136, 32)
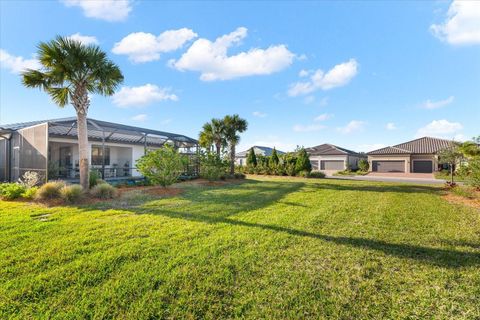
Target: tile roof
(329, 149)
(425, 145)
(259, 150)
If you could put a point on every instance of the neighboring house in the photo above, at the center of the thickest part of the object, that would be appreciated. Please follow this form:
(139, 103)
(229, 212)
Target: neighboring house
(241, 157)
(327, 157)
(418, 156)
(50, 147)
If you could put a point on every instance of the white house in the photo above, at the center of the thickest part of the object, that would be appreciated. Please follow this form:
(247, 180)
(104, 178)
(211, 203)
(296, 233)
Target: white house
(329, 158)
(241, 157)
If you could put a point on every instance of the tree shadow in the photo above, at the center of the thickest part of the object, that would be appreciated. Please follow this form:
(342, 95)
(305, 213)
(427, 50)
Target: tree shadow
(434, 256)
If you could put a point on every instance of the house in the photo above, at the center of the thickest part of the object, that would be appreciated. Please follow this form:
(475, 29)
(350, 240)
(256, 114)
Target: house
(328, 157)
(50, 148)
(417, 156)
(241, 157)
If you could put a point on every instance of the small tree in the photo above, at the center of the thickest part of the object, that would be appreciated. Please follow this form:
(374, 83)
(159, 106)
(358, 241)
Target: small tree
(363, 165)
(274, 157)
(451, 156)
(251, 158)
(162, 167)
(212, 167)
(303, 162)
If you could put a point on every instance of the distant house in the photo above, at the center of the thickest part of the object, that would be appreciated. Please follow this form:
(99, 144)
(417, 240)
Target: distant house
(241, 157)
(328, 157)
(50, 148)
(418, 156)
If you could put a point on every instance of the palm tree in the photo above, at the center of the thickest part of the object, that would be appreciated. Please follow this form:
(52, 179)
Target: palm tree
(70, 71)
(213, 133)
(233, 126)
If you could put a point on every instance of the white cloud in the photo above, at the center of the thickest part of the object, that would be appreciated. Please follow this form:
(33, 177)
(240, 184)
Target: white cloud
(338, 76)
(303, 73)
(352, 126)
(437, 104)
(17, 64)
(323, 117)
(259, 114)
(142, 95)
(440, 128)
(462, 26)
(212, 61)
(140, 117)
(144, 47)
(109, 10)
(308, 128)
(86, 40)
(369, 147)
(391, 126)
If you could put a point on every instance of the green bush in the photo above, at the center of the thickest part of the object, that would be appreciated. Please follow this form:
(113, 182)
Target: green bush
(50, 190)
(11, 191)
(104, 191)
(93, 178)
(71, 193)
(473, 178)
(163, 166)
(212, 167)
(316, 174)
(239, 175)
(30, 193)
(290, 169)
(303, 162)
(464, 191)
(363, 165)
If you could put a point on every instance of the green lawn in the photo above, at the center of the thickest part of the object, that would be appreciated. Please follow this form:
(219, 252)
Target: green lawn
(271, 248)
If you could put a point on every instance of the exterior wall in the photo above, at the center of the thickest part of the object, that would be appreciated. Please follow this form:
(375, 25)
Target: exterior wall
(353, 161)
(241, 161)
(406, 158)
(325, 157)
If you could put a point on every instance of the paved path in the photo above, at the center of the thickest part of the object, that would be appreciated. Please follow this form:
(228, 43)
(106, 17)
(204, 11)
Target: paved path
(388, 179)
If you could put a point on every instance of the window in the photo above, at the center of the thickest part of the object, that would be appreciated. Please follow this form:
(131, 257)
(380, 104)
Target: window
(314, 164)
(97, 155)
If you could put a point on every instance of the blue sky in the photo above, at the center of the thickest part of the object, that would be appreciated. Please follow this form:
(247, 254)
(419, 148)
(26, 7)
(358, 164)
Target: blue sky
(361, 75)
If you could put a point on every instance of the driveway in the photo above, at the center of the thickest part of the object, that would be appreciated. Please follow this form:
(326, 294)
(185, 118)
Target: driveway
(421, 178)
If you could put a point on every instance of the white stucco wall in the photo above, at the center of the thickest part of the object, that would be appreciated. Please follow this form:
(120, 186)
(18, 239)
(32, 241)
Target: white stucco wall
(319, 158)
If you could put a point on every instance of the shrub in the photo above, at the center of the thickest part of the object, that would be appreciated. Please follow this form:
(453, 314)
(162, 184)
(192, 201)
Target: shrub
(363, 165)
(239, 175)
(474, 177)
(316, 174)
(466, 192)
(163, 166)
(290, 169)
(303, 161)
(104, 191)
(11, 191)
(93, 179)
(71, 193)
(50, 190)
(211, 166)
(251, 158)
(29, 179)
(30, 193)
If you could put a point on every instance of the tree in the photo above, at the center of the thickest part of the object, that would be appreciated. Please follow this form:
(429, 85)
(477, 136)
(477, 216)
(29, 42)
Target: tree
(274, 157)
(451, 156)
(471, 149)
(70, 72)
(213, 133)
(233, 125)
(251, 158)
(162, 166)
(303, 162)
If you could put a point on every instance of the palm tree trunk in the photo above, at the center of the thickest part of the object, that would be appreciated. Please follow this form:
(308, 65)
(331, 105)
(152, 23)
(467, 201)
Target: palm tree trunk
(232, 158)
(218, 146)
(83, 149)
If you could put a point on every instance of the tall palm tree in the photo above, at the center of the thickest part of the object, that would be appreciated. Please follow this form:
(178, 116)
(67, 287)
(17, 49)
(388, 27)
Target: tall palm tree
(233, 126)
(213, 133)
(70, 71)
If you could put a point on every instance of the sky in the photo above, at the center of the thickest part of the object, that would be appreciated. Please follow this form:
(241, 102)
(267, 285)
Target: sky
(360, 75)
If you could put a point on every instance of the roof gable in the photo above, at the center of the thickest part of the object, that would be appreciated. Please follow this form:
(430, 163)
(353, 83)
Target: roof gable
(259, 150)
(329, 149)
(424, 145)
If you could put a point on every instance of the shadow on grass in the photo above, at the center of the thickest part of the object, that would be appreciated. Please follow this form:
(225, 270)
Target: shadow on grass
(435, 256)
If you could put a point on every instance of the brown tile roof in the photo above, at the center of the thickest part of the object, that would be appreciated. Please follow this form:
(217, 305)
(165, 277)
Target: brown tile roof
(329, 149)
(425, 145)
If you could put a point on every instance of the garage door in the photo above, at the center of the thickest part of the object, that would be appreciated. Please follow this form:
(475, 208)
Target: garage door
(388, 166)
(332, 165)
(423, 166)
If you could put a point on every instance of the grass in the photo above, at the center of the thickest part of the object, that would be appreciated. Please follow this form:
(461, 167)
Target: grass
(268, 248)
(350, 173)
(445, 175)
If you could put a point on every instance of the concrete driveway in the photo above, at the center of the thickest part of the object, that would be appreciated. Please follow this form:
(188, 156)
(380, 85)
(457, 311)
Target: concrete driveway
(421, 178)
